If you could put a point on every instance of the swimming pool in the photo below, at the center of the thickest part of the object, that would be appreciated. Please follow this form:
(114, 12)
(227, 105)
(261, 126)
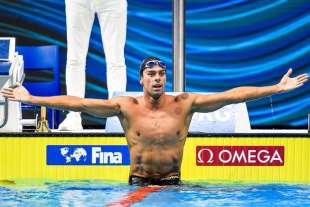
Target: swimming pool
(97, 193)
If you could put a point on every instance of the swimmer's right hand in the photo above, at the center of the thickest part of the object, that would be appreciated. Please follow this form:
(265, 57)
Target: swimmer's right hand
(16, 92)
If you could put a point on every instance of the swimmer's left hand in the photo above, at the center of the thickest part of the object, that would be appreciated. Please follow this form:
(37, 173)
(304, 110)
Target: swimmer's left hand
(287, 83)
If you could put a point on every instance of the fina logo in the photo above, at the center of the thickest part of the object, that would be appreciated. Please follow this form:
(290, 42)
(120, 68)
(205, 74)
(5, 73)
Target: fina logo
(105, 157)
(87, 155)
(79, 154)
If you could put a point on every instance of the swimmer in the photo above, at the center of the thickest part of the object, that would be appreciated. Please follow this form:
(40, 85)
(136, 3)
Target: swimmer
(156, 124)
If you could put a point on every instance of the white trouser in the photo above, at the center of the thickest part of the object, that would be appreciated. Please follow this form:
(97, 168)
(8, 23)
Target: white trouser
(112, 15)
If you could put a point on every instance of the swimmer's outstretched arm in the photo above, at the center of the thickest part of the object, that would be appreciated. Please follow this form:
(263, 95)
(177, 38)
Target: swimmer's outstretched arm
(97, 107)
(212, 102)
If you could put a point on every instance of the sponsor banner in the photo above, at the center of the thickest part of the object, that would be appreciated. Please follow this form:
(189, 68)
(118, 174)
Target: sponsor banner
(87, 155)
(240, 155)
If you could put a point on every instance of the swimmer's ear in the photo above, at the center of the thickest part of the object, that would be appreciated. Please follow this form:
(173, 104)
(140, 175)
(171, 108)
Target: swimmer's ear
(141, 82)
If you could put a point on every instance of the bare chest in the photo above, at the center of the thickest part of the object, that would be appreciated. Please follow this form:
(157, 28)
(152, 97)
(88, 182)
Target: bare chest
(158, 122)
(157, 126)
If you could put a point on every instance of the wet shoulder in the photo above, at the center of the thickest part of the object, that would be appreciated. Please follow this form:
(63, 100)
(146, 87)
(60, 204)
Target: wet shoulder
(183, 97)
(126, 100)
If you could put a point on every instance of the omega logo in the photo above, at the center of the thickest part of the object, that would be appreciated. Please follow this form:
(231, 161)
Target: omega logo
(240, 155)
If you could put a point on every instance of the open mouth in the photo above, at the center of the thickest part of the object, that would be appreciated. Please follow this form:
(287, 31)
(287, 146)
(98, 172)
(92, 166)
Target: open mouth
(157, 86)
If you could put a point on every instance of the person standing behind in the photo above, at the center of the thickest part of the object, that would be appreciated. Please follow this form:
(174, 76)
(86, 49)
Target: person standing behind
(80, 14)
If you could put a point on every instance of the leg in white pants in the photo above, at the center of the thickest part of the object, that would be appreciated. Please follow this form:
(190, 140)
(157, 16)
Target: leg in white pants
(112, 15)
(80, 14)
(80, 18)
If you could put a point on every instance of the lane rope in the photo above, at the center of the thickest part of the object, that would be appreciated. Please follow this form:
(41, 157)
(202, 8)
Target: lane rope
(135, 196)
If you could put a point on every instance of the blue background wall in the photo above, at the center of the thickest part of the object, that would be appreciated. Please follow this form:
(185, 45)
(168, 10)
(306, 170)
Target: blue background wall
(228, 43)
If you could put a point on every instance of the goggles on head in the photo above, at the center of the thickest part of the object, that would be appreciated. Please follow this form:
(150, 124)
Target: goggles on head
(152, 63)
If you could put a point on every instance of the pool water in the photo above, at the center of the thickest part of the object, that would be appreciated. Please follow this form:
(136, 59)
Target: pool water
(94, 193)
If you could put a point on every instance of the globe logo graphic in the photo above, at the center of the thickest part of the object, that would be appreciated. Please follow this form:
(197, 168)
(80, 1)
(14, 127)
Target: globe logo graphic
(79, 155)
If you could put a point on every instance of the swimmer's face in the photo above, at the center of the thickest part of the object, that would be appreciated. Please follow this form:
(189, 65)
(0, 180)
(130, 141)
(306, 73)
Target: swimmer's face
(153, 81)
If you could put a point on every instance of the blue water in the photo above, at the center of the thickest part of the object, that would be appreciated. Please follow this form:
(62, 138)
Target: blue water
(94, 193)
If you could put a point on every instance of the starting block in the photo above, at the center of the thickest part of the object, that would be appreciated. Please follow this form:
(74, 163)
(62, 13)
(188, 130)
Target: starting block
(11, 72)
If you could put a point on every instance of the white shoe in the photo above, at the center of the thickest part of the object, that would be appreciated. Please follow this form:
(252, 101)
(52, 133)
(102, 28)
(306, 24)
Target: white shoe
(73, 122)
